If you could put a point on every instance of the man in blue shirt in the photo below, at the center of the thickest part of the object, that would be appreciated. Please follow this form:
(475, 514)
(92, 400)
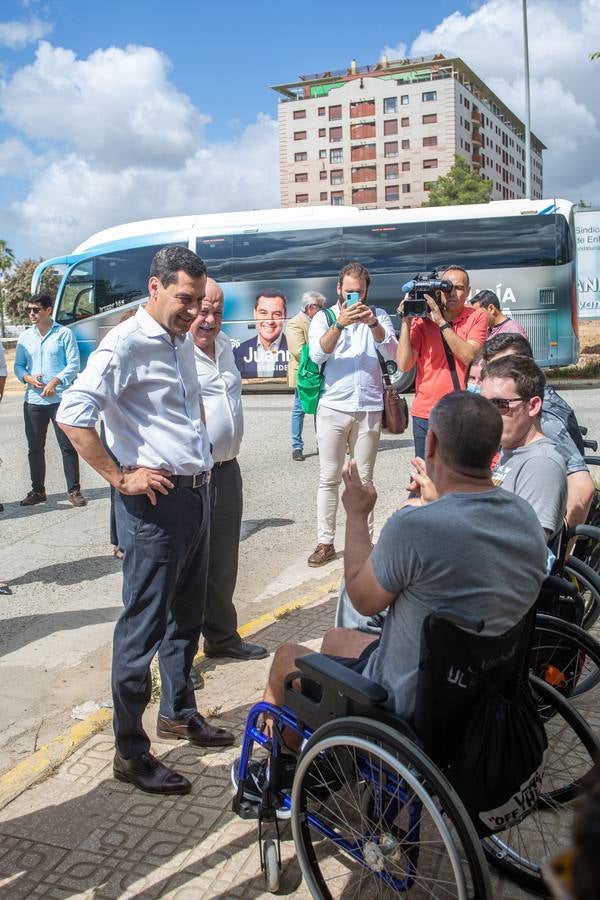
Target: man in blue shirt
(47, 361)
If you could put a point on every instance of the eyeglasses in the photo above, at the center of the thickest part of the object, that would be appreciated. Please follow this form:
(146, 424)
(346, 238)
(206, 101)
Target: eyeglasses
(34, 309)
(502, 404)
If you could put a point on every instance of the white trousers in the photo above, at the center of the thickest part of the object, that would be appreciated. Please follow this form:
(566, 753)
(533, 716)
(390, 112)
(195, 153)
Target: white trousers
(335, 431)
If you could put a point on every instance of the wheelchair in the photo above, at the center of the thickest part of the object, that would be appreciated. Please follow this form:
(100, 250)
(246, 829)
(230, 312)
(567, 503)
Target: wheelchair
(372, 798)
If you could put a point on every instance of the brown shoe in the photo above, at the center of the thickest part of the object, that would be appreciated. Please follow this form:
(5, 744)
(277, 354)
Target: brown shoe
(34, 497)
(322, 554)
(194, 729)
(76, 498)
(148, 774)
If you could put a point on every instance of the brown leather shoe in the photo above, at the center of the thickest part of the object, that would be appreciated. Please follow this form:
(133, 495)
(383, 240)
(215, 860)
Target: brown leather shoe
(323, 553)
(76, 498)
(194, 729)
(148, 774)
(34, 497)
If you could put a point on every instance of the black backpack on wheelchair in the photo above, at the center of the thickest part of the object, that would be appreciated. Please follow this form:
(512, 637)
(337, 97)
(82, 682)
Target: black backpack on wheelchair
(477, 717)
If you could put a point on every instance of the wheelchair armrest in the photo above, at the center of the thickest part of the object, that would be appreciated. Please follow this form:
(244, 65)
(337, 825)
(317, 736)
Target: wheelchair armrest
(584, 531)
(592, 460)
(558, 585)
(476, 625)
(591, 445)
(583, 430)
(329, 673)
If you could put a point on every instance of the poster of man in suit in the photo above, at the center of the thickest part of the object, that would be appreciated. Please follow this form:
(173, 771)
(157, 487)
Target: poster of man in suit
(266, 354)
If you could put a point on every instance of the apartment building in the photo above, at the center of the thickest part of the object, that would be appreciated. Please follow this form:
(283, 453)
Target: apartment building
(381, 135)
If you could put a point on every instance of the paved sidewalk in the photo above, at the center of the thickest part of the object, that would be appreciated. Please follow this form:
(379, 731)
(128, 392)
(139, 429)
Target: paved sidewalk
(80, 834)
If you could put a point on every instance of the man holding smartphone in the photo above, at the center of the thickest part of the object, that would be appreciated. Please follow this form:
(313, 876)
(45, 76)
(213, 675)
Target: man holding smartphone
(351, 403)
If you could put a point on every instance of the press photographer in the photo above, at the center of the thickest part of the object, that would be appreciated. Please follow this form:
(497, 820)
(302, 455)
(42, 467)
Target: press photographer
(440, 335)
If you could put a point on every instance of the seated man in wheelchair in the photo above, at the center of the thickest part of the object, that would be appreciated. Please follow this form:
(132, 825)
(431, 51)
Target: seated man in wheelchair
(558, 422)
(476, 551)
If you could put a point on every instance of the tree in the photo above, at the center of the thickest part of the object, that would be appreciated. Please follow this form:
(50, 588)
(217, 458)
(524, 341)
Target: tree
(7, 258)
(17, 287)
(461, 185)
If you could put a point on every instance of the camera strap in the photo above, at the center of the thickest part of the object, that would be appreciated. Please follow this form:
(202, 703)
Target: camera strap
(385, 375)
(451, 364)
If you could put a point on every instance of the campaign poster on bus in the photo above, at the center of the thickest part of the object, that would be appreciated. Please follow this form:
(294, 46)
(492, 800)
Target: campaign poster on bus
(587, 231)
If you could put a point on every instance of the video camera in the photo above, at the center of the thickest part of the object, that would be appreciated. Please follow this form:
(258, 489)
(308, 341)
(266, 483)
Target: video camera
(416, 306)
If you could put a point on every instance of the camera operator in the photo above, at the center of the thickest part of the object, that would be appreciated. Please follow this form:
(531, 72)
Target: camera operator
(441, 344)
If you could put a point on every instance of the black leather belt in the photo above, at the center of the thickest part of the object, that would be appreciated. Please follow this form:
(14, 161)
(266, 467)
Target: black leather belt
(190, 481)
(225, 462)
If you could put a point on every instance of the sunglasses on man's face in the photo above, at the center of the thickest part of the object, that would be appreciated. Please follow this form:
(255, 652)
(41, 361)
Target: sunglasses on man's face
(34, 309)
(502, 404)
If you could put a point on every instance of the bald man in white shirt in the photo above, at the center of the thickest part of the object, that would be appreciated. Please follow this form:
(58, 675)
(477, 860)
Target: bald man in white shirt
(221, 390)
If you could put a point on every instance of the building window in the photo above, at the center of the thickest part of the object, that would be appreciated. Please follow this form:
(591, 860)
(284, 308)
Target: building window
(364, 195)
(362, 108)
(406, 188)
(405, 122)
(321, 111)
(430, 141)
(361, 174)
(301, 176)
(390, 148)
(337, 198)
(323, 175)
(299, 135)
(323, 195)
(301, 198)
(430, 163)
(390, 126)
(427, 185)
(300, 157)
(322, 132)
(391, 171)
(361, 130)
(429, 119)
(363, 152)
(335, 112)
(467, 147)
(406, 144)
(467, 104)
(390, 104)
(406, 167)
(428, 96)
(337, 176)
(392, 193)
(404, 100)
(299, 113)
(336, 156)
(335, 133)
(322, 154)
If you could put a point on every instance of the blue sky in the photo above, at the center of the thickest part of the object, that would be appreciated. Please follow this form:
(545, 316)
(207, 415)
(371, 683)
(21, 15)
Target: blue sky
(121, 110)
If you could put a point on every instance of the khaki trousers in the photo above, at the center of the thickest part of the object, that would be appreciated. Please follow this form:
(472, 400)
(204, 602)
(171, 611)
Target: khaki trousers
(335, 432)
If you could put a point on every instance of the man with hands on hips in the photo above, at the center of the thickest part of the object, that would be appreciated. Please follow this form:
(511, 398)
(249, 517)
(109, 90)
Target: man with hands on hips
(448, 338)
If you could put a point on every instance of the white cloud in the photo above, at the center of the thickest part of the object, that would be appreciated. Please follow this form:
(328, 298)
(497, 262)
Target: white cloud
(73, 198)
(565, 101)
(18, 34)
(120, 142)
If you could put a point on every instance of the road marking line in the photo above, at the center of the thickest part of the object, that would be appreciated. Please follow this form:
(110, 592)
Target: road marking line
(52, 755)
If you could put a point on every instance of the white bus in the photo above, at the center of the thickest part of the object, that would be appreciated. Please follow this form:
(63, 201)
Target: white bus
(521, 249)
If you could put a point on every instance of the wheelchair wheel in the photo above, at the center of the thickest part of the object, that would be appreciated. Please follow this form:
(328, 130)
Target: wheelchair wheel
(565, 657)
(572, 746)
(588, 585)
(372, 816)
(271, 866)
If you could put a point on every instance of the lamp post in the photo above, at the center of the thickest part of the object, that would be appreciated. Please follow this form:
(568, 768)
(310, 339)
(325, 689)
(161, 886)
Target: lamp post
(527, 108)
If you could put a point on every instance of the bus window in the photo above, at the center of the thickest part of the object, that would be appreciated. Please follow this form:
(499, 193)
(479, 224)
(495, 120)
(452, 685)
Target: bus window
(79, 284)
(122, 276)
(495, 243)
(264, 256)
(216, 253)
(386, 249)
(564, 241)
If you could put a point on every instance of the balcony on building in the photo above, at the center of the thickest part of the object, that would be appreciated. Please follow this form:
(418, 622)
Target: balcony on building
(362, 108)
(363, 152)
(361, 174)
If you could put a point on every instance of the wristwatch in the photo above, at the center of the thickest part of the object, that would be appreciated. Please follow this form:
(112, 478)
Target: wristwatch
(445, 325)
(338, 326)
(375, 324)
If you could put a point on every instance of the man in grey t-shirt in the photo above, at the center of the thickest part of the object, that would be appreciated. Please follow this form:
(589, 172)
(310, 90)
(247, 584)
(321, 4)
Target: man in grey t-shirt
(476, 550)
(529, 466)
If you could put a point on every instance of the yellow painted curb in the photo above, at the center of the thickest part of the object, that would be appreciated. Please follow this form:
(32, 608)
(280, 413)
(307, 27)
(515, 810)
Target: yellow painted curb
(51, 755)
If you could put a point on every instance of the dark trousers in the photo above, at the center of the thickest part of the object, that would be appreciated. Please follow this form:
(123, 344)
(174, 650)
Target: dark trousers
(37, 419)
(220, 617)
(420, 428)
(164, 589)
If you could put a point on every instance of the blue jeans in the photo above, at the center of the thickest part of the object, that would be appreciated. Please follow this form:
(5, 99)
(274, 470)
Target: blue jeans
(420, 427)
(297, 423)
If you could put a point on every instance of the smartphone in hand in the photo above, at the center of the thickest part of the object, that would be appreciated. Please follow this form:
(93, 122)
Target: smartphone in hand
(352, 298)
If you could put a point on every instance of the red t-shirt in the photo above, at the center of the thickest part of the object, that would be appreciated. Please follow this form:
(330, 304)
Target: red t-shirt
(433, 375)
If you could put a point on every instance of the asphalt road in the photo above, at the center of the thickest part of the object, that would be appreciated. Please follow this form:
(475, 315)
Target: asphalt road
(56, 628)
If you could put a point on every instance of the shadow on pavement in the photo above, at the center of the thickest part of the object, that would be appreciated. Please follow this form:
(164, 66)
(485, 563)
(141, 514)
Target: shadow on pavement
(88, 569)
(251, 526)
(23, 630)
(13, 510)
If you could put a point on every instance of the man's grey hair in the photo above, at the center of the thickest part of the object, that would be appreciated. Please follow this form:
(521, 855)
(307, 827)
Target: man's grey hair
(310, 298)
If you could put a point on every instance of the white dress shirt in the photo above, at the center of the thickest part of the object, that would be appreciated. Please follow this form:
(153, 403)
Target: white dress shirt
(352, 377)
(146, 387)
(221, 390)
